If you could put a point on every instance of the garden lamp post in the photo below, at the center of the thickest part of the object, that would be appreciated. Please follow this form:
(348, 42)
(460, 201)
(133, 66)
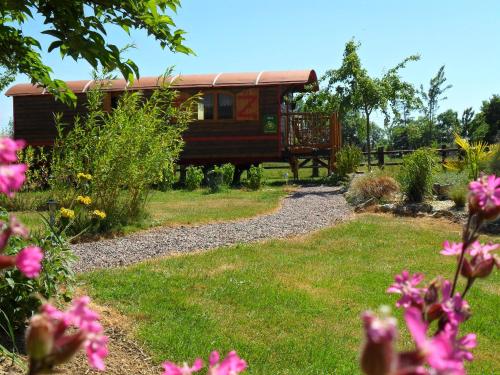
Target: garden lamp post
(52, 211)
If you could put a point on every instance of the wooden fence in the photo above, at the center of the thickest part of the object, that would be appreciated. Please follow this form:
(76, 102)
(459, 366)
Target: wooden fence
(380, 154)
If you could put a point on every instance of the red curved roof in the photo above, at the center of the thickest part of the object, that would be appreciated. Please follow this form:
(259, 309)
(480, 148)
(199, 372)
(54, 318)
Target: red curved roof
(300, 77)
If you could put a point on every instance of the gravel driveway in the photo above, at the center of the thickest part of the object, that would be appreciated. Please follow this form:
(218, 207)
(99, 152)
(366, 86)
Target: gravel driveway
(307, 209)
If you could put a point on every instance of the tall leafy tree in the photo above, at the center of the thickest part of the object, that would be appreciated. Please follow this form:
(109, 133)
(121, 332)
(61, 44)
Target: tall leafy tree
(490, 111)
(447, 125)
(78, 31)
(431, 98)
(355, 90)
(467, 122)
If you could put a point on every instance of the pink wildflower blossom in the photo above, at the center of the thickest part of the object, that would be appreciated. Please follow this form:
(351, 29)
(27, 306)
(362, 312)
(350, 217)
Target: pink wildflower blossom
(406, 286)
(11, 178)
(484, 196)
(28, 261)
(173, 369)
(89, 331)
(439, 351)
(96, 347)
(456, 309)
(461, 346)
(231, 365)
(482, 251)
(451, 248)
(9, 148)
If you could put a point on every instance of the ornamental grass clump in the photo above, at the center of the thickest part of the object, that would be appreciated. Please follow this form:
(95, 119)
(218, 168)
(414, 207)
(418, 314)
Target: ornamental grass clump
(434, 313)
(119, 154)
(348, 159)
(374, 187)
(415, 175)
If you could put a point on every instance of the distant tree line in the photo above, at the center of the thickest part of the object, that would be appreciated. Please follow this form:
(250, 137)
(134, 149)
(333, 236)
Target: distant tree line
(412, 116)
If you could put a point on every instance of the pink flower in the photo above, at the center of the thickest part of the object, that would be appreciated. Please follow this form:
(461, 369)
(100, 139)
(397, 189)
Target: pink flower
(462, 346)
(11, 178)
(9, 148)
(482, 251)
(484, 196)
(28, 261)
(405, 285)
(451, 248)
(231, 365)
(173, 369)
(438, 351)
(17, 228)
(83, 317)
(456, 309)
(86, 321)
(96, 347)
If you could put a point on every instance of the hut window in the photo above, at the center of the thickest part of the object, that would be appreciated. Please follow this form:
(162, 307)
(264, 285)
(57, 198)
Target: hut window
(206, 107)
(225, 105)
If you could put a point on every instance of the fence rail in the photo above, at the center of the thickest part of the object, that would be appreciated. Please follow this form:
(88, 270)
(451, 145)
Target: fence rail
(380, 154)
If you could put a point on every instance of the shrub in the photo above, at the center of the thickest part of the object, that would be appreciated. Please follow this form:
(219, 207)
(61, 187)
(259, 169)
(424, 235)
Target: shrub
(215, 180)
(167, 179)
(194, 177)
(348, 160)
(458, 195)
(227, 172)
(254, 177)
(415, 175)
(20, 296)
(493, 166)
(37, 173)
(123, 151)
(371, 186)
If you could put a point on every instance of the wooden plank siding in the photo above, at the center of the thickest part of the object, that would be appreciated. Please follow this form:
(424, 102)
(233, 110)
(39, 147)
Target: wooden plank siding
(207, 141)
(34, 117)
(231, 140)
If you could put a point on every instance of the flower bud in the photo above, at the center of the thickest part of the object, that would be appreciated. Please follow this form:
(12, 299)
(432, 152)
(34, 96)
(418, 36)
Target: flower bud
(39, 338)
(378, 356)
(67, 346)
(467, 270)
(484, 268)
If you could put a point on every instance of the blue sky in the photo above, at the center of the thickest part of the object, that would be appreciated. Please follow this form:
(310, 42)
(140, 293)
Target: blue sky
(291, 34)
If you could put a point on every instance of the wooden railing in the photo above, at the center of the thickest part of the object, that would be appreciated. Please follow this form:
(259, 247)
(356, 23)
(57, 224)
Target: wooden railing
(314, 130)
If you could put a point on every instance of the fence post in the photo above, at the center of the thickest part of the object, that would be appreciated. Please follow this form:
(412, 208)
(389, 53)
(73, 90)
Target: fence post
(380, 156)
(443, 154)
(315, 168)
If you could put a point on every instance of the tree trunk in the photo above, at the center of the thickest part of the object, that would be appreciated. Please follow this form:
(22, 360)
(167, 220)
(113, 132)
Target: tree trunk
(368, 145)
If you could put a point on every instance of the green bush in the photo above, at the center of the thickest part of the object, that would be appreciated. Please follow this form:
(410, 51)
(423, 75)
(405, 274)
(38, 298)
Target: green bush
(37, 175)
(228, 173)
(19, 297)
(194, 177)
(167, 179)
(348, 160)
(254, 177)
(493, 166)
(458, 195)
(123, 152)
(416, 175)
(215, 180)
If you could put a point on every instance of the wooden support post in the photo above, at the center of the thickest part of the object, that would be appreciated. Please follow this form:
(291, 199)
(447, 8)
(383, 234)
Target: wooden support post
(315, 168)
(380, 156)
(182, 175)
(294, 165)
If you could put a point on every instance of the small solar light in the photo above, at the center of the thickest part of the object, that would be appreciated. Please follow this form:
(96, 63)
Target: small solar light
(52, 204)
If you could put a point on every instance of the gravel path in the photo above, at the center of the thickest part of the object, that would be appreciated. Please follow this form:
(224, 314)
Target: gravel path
(307, 209)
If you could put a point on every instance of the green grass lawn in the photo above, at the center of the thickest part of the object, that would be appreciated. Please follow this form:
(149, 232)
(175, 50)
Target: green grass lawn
(180, 207)
(289, 306)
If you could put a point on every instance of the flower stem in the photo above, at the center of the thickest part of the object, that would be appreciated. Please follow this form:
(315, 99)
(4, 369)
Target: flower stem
(467, 287)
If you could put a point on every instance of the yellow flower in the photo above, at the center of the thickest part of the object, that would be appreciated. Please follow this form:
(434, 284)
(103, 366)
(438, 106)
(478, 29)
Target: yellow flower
(86, 200)
(99, 214)
(84, 176)
(67, 213)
